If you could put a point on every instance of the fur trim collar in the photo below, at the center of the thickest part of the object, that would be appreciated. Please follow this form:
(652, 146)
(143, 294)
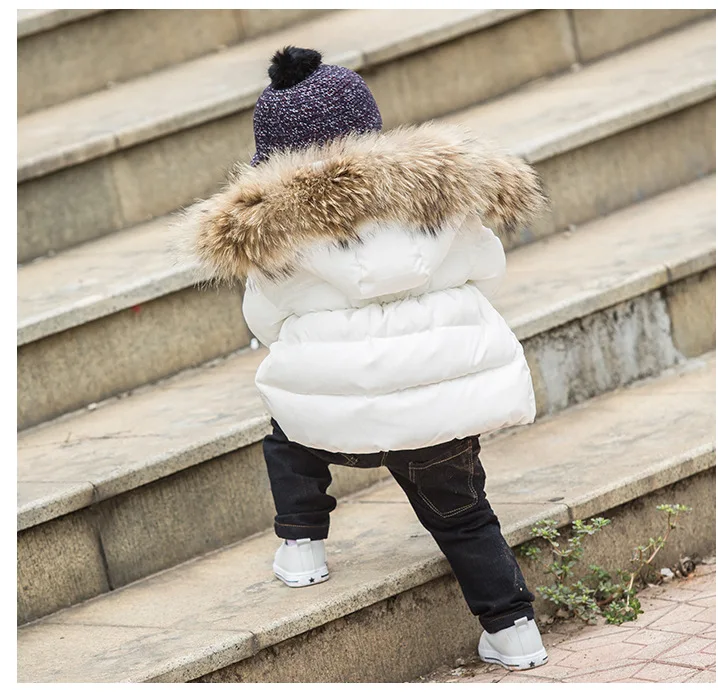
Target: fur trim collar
(265, 216)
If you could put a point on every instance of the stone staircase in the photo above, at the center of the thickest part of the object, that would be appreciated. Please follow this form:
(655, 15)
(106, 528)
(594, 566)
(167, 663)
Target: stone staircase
(144, 513)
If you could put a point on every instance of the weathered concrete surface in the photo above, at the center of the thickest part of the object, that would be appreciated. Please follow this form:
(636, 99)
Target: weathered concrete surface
(45, 500)
(66, 61)
(170, 172)
(100, 359)
(226, 82)
(601, 352)
(58, 564)
(386, 642)
(629, 167)
(97, 279)
(89, 55)
(125, 655)
(378, 550)
(161, 524)
(34, 21)
(692, 307)
(603, 31)
(354, 37)
(176, 424)
(540, 45)
(200, 509)
(610, 260)
(66, 208)
(430, 623)
(555, 116)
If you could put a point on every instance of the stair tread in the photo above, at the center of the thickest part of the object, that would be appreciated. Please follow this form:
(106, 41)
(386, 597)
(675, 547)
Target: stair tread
(226, 606)
(136, 265)
(214, 409)
(215, 85)
(98, 278)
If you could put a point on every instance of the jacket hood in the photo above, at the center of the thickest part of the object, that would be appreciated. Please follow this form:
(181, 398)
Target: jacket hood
(422, 176)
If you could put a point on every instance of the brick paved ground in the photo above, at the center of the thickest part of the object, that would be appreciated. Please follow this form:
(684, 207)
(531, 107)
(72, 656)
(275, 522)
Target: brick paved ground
(673, 641)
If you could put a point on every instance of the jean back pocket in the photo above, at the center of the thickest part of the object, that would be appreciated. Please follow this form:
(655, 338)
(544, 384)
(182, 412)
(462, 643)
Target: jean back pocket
(446, 482)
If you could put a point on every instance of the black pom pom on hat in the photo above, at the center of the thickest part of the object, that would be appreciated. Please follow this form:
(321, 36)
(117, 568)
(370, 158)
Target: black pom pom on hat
(293, 65)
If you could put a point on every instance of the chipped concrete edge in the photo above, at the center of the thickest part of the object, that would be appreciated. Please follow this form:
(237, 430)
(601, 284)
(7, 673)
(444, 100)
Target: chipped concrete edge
(38, 21)
(663, 474)
(252, 430)
(107, 143)
(597, 300)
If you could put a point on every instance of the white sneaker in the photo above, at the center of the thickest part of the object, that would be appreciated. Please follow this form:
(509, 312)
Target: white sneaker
(517, 647)
(302, 564)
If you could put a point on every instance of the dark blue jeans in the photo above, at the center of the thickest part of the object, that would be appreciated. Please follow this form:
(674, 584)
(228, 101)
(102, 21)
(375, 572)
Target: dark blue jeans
(445, 486)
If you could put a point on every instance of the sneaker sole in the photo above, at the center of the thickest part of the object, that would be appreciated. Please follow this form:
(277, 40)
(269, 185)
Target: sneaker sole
(298, 580)
(490, 655)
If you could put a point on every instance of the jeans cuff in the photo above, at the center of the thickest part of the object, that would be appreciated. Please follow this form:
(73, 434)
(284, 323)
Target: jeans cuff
(296, 531)
(500, 622)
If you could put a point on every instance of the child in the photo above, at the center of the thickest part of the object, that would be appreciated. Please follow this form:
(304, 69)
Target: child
(367, 274)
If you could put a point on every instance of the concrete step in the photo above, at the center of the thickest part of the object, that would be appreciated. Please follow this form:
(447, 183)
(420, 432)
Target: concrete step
(64, 54)
(225, 618)
(616, 132)
(604, 137)
(111, 152)
(111, 495)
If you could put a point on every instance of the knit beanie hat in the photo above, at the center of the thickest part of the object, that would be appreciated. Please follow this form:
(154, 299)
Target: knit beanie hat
(308, 103)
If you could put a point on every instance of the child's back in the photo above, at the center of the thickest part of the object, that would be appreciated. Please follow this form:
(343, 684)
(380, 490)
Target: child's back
(368, 270)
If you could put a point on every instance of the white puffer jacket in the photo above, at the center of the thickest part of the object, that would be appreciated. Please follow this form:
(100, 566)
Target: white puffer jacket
(368, 275)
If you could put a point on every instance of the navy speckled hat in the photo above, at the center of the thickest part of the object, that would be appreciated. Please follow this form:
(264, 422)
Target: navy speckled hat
(310, 103)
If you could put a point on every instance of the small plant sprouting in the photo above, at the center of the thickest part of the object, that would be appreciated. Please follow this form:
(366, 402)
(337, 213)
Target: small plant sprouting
(601, 593)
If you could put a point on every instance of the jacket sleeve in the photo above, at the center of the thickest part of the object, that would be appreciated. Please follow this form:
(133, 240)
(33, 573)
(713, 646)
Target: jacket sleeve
(263, 317)
(488, 259)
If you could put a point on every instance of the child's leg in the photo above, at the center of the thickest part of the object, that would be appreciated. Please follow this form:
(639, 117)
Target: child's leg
(299, 481)
(445, 486)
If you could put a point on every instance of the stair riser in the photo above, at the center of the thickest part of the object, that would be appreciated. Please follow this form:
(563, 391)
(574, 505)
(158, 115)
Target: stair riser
(421, 629)
(599, 32)
(81, 57)
(429, 83)
(630, 341)
(165, 523)
(205, 507)
(99, 359)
